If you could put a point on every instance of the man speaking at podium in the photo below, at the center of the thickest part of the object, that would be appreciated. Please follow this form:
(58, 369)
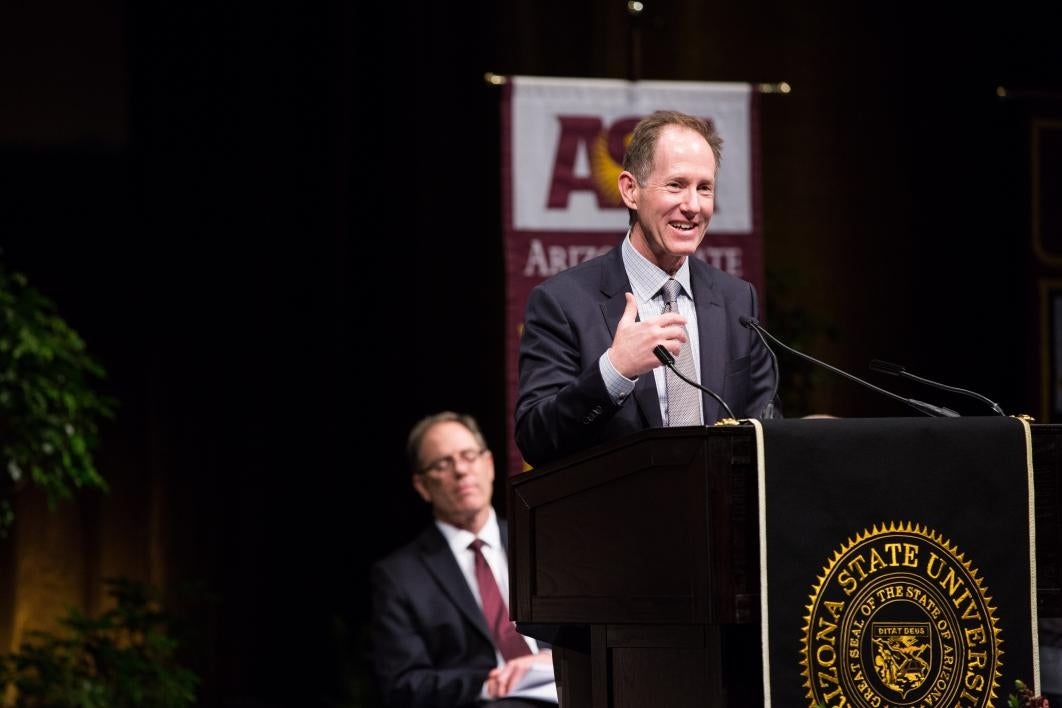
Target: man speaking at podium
(588, 373)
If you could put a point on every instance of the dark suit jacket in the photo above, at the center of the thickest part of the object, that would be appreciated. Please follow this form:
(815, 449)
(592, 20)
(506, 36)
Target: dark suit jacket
(570, 321)
(432, 647)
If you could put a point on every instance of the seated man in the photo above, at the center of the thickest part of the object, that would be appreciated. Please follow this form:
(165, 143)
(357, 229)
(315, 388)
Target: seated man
(441, 630)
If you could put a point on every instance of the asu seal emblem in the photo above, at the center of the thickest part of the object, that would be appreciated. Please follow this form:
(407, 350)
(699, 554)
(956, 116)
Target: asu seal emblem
(899, 617)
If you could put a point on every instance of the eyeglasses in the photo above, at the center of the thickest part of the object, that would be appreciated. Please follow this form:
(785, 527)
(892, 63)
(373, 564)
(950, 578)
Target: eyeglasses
(445, 465)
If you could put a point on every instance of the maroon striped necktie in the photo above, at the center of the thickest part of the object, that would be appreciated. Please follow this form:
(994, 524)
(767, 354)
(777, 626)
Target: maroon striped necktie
(506, 638)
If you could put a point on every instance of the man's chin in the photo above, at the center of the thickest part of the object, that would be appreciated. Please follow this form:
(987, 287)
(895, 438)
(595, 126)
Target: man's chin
(472, 507)
(684, 247)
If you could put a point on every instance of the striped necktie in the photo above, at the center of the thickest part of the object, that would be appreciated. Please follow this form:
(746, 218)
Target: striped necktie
(683, 400)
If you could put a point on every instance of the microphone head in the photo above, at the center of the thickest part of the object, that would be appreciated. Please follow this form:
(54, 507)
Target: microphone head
(748, 322)
(663, 355)
(884, 367)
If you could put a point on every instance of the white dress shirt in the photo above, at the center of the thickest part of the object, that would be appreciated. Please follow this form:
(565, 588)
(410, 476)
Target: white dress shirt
(493, 551)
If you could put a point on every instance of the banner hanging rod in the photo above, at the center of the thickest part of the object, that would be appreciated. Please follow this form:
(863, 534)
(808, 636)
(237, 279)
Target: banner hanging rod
(781, 87)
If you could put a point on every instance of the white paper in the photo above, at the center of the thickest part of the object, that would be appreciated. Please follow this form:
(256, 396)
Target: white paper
(537, 683)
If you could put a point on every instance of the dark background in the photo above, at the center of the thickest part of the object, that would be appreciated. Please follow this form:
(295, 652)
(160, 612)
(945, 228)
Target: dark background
(258, 214)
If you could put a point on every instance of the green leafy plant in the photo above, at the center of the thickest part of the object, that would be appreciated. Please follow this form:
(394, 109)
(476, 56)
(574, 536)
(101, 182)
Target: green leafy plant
(126, 657)
(1024, 698)
(49, 406)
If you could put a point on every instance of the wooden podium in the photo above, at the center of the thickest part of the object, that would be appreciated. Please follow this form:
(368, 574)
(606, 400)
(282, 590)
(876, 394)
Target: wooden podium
(640, 561)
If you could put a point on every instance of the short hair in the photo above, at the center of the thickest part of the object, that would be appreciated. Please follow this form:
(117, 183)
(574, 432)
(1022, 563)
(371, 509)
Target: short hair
(417, 433)
(641, 151)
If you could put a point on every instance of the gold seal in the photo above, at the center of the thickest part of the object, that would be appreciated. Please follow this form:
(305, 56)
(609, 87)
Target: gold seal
(899, 617)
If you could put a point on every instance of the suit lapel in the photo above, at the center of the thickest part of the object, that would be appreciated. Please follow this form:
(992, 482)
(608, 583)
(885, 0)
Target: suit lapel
(614, 283)
(441, 564)
(711, 335)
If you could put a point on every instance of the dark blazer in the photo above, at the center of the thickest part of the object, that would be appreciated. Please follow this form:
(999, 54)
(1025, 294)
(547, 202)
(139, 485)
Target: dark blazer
(432, 648)
(570, 320)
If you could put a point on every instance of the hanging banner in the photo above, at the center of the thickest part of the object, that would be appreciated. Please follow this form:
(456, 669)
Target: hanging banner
(562, 151)
(897, 561)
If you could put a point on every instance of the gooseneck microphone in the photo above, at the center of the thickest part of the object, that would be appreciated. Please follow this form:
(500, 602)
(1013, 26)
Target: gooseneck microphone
(885, 367)
(920, 406)
(669, 361)
(768, 410)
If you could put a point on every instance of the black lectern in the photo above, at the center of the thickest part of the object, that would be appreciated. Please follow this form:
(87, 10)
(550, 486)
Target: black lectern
(642, 559)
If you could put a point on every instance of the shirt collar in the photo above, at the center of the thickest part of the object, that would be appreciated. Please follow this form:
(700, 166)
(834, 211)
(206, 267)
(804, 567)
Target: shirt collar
(458, 539)
(647, 278)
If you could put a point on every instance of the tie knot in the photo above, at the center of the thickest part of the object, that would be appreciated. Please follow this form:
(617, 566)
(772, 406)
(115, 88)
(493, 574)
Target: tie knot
(671, 291)
(477, 545)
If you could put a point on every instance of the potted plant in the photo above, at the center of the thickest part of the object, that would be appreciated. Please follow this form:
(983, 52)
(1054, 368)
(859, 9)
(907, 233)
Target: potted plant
(49, 405)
